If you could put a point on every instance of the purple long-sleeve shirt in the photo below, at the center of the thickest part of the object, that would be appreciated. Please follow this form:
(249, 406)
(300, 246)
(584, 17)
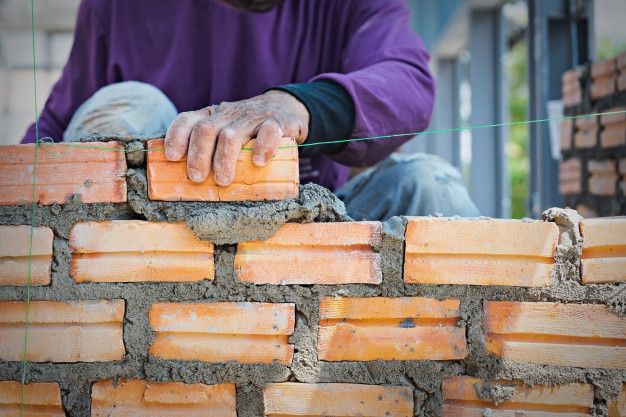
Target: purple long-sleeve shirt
(202, 52)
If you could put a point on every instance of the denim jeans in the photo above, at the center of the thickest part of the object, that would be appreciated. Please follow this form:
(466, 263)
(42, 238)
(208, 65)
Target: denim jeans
(409, 185)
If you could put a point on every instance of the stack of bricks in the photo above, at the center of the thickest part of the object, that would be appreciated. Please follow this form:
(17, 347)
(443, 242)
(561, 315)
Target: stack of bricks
(420, 316)
(592, 174)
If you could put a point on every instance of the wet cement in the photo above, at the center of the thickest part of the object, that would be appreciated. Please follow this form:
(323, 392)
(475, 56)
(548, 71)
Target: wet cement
(227, 223)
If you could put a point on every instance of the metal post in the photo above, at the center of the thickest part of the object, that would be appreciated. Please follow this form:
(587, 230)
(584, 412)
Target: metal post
(559, 38)
(489, 182)
(447, 144)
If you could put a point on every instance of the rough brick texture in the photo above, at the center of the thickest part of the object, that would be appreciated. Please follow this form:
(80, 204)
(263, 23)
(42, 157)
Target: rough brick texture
(18, 258)
(291, 399)
(617, 407)
(479, 252)
(603, 250)
(40, 399)
(408, 328)
(80, 331)
(150, 399)
(461, 399)
(278, 180)
(133, 250)
(570, 176)
(580, 335)
(220, 332)
(315, 253)
(94, 171)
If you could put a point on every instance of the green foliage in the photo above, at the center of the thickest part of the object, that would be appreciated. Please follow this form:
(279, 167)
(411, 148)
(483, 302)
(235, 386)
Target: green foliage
(609, 48)
(517, 147)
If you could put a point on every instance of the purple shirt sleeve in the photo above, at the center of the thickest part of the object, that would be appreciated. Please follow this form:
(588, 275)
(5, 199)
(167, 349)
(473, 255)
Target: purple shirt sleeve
(83, 75)
(385, 71)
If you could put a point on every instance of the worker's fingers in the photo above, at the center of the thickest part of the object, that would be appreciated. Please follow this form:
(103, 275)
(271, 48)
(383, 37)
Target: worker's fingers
(267, 142)
(229, 143)
(201, 147)
(177, 136)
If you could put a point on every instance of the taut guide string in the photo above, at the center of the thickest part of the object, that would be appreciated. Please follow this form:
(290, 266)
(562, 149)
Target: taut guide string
(39, 142)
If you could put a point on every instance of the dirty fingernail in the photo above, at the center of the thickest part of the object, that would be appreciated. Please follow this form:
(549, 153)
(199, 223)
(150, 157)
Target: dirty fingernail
(194, 175)
(258, 160)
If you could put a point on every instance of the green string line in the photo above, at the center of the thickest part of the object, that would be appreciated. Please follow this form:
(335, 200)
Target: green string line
(32, 218)
(396, 135)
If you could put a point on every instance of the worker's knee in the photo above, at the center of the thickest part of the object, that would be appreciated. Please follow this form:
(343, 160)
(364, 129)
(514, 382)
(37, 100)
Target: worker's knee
(410, 185)
(129, 109)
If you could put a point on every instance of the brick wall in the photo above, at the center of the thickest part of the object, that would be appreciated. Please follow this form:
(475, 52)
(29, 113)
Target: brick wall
(53, 40)
(592, 172)
(148, 300)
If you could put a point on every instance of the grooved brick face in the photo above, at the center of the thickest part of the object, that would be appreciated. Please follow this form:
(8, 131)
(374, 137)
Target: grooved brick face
(40, 399)
(570, 176)
(407, 328)
(461, 399)
(219, 332)
(278, 180)
(602, 178)
(314, 253)
(17, 256)
(479, 252)
(96, 172)
(133, 250)
(579, 335)
(604, 250)
(586, 138)
(290, 399)
(79, 331)
(151, 399)
(613, 135)
(617, 407)
(604, 86)
(603, 68)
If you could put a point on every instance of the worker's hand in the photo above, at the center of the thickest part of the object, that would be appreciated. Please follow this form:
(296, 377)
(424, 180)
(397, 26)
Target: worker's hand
(214, 136)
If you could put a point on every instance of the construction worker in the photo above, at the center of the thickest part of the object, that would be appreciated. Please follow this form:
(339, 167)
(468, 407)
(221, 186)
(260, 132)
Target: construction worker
(211, 74)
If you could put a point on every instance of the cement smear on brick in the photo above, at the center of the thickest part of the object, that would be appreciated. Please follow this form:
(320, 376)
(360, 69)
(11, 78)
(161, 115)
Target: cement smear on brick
(423, 377)
(224, 223)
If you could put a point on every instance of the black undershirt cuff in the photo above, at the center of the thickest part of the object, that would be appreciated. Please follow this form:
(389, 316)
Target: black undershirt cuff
(331, 115)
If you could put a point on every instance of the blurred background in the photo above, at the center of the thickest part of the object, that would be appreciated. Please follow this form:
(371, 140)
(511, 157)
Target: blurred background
(494, 60)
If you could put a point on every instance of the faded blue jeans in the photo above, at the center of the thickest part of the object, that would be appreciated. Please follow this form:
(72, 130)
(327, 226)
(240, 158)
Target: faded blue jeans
(409, 185)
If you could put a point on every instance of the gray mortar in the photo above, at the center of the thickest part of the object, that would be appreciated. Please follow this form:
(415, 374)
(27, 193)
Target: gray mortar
(135, 154)
(227, 223)
(494, 392)
(224, 223)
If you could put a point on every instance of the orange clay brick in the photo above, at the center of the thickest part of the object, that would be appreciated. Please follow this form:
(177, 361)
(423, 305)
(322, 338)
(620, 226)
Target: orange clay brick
(292, 399)
(219, 332)
(579, 335)
(613, 135)
(151, 399)
(479, 252)
(570, 177)
(408, 328)
(18, 257)
(586, 138)
(603, 68)
(78, 331)
(567, 133)
(572, 97)
(279, 179)
(617, 407)
(40, 399)
(572, 76)
(94, 171)
(461, 399)
(585, 122)
(314, 253)
(604, 250)
(602, 177)
(603, 86)
(133, 251)
(613, 117)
